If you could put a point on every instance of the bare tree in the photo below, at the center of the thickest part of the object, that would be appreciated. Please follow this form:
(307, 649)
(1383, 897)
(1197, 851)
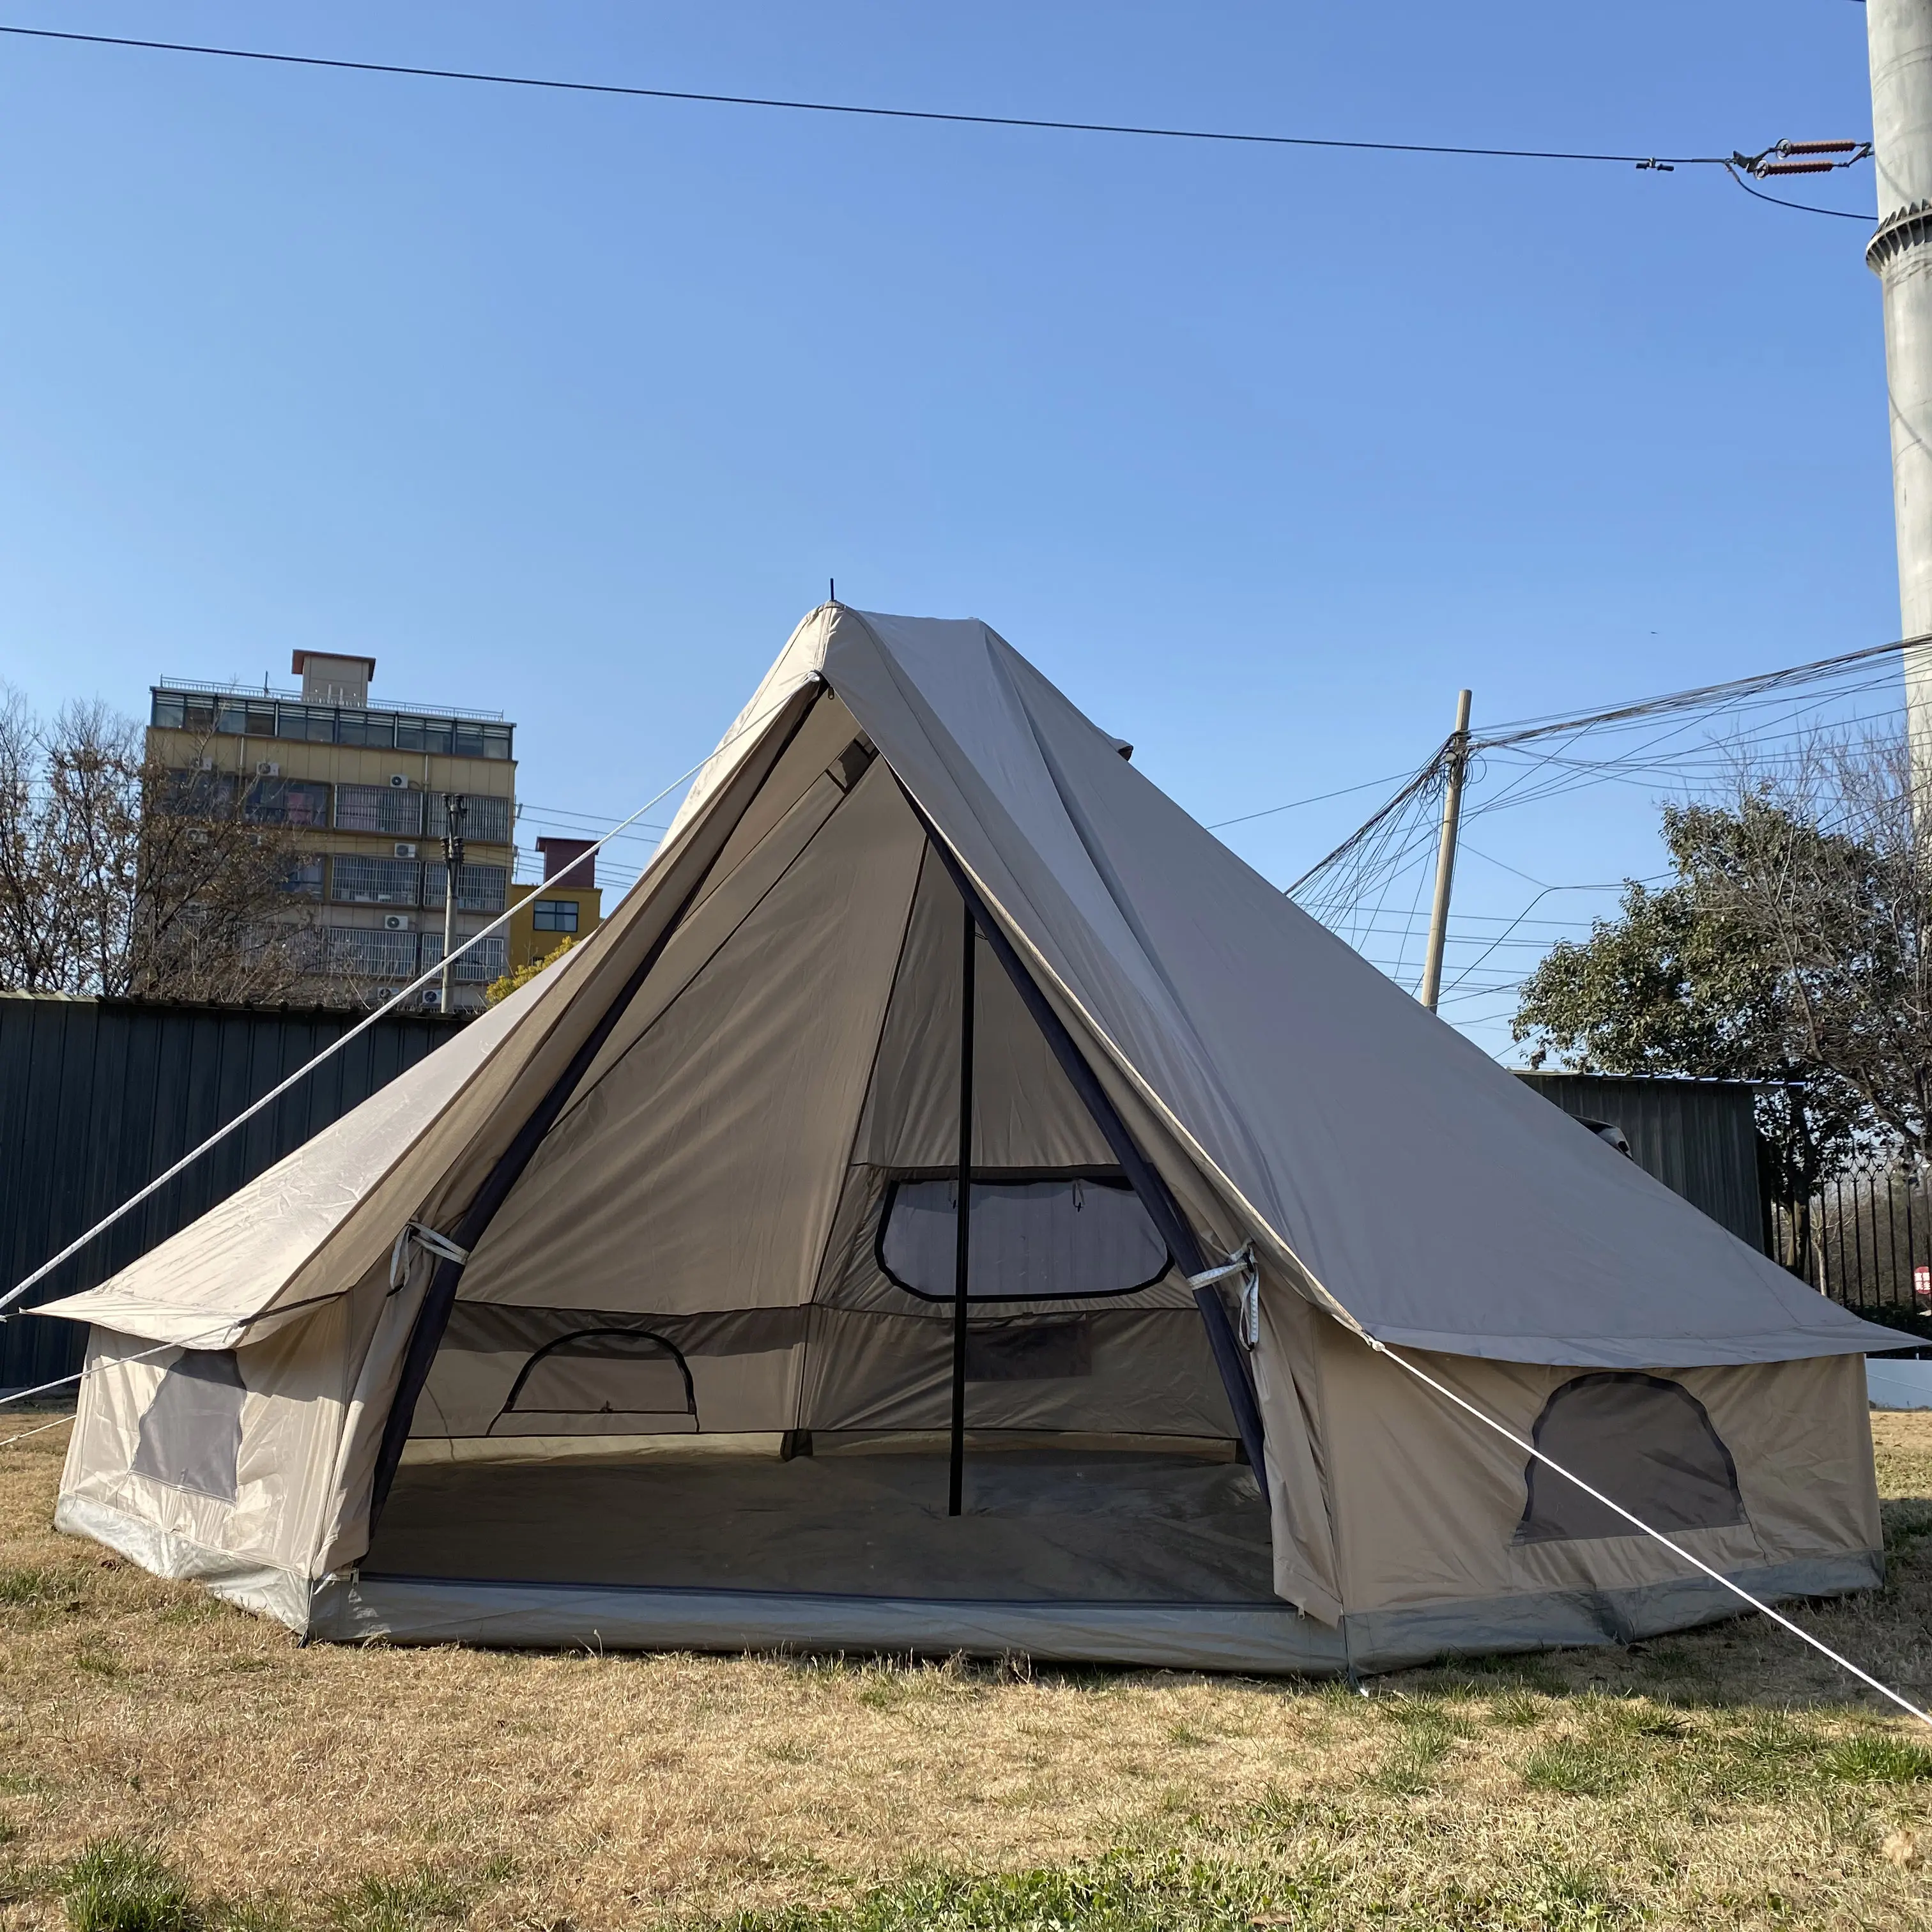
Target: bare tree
(121, 876)
(34, 956)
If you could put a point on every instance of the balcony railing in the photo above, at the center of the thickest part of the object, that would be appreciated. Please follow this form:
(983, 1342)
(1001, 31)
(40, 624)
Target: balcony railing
(289, 694)
(450, 732)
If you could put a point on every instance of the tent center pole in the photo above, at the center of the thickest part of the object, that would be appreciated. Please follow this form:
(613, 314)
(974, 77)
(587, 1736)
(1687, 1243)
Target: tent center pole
(962, 1242)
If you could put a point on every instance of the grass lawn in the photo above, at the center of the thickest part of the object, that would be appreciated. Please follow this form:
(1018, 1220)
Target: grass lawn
(166, 1763)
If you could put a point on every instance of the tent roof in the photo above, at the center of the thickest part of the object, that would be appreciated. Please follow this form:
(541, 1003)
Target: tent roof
(1423, 1187)
(1420, 1191)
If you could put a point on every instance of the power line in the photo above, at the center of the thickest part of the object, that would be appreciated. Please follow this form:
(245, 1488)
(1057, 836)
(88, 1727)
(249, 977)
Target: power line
(1295, 804)
(1803, 207)
(1657, 163)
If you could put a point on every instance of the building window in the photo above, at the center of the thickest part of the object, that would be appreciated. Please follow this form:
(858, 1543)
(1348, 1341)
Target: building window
(487, 822)
(425, 734)
(365, 728)
(488, 959)
(200, 794)
(393, 811)
(484, 888)
(1033, 1239)
(287, 802)
(304, 878)
(397, 882)
(367, 952)
(554, 916)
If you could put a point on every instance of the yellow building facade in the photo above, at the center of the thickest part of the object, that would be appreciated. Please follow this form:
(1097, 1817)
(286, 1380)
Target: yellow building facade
(567, 906)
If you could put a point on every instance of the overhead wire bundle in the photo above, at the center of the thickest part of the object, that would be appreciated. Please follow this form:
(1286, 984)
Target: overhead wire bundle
(1371, 889)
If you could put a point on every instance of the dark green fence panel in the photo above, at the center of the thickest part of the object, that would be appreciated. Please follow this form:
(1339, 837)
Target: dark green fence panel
(98, 1096)
(1699, 1138)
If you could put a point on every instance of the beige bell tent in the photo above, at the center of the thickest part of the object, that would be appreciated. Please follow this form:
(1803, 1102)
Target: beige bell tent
(642, 1313)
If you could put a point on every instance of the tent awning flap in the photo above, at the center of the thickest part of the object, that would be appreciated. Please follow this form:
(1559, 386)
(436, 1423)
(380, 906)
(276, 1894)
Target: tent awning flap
(221, 1276)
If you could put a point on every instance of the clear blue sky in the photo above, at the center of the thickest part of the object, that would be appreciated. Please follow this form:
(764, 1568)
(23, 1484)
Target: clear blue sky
(571, 405)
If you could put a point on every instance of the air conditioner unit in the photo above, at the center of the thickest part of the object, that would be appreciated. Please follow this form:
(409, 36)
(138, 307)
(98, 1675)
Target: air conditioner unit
(267, 768)
(201, 764)
(395, 922)
(384, 993)
(399, 782)
(432, 998)
(404, 849)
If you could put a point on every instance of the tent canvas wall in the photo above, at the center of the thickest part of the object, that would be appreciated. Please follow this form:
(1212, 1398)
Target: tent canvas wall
(631, 1315)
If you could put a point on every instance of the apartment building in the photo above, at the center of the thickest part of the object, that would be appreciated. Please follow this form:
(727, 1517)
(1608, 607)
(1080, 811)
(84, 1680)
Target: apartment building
(366, 783)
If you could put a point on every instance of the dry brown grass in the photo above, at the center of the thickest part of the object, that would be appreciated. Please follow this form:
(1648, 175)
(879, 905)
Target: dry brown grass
(1723, 1778)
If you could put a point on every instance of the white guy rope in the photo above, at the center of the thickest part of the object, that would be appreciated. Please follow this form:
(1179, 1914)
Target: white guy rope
(221, 1133)
(1657, 1535)
(59, 1422)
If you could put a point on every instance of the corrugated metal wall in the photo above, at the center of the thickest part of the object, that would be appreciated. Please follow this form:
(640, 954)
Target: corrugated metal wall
(1698, 1137)
(97, 1097)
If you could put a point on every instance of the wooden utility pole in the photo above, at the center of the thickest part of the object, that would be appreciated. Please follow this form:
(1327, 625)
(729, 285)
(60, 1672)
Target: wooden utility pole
(1445, 854)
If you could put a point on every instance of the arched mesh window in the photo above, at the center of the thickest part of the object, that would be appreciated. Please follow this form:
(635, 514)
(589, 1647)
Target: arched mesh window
(1033, 1239)
(614, 1381)
(1644, 1440)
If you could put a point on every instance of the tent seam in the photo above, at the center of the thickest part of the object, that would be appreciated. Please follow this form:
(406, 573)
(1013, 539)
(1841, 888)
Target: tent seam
(858, 1121)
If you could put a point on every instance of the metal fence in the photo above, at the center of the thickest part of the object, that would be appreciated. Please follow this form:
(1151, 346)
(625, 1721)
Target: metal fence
(98, 1096)
(1865, 1239)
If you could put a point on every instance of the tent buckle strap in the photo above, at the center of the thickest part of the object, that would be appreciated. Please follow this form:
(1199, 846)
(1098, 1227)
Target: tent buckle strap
(1242, 1264)
(430, 1241)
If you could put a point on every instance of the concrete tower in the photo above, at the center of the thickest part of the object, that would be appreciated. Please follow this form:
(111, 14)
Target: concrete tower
(1899, 33)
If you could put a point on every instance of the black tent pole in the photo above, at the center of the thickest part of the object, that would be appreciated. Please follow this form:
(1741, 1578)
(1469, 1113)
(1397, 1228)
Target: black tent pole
(962, 1244)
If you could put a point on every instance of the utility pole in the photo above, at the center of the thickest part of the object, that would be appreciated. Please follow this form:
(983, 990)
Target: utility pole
(1899, 36)
(1445, 854)
(455, 811)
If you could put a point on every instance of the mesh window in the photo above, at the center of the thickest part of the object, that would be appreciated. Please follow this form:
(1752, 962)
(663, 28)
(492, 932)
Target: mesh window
(615, 1382)
(191, 1434)
(1641, 1440)
(1032, 1241)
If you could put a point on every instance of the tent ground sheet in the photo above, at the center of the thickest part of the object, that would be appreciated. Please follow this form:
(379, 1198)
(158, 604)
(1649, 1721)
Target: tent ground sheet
(1040, 1524)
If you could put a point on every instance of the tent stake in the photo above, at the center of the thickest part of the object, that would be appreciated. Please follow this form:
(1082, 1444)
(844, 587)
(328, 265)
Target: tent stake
(962, 1243)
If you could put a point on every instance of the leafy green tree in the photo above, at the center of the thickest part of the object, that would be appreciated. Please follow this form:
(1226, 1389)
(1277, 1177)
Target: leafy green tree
(1792, 947)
